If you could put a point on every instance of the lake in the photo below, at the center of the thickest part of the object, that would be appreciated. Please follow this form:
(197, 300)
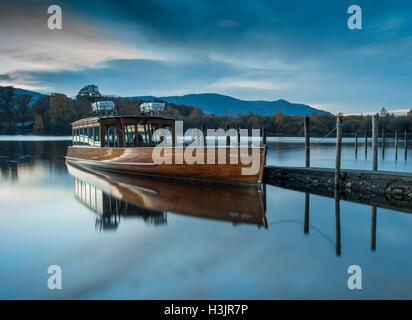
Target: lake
(189, 241)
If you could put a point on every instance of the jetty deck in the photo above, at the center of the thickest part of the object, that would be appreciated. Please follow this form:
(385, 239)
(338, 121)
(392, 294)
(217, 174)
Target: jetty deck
(391, 190)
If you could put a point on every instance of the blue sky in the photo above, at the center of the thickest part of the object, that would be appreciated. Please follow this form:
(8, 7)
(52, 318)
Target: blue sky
(301, 51)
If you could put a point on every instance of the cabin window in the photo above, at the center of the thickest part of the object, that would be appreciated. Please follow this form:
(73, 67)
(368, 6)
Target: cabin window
(96, 130)
(169, 138)
(155, 137)
(77, 136)
(96, 134)
(111, 136)
(80, 135)
(130, 134)
(90, 135)
(143, 134)
(85, 137)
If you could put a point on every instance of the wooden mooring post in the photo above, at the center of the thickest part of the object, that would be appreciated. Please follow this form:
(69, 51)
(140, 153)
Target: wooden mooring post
(306, 127)
(264, 136)
(396, 144)
(406, 145)
(204, 135)
(356, 144)
(366, 143)
(375, 142)
(383, 143)
(338, 149)
(227, 137)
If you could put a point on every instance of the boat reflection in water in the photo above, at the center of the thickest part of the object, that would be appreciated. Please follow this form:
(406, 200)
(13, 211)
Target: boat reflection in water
(113, 196)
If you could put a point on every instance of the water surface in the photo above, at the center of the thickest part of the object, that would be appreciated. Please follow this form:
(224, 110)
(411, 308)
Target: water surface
(220, 252)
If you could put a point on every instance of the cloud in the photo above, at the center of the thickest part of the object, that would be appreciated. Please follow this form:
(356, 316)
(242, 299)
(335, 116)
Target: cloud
(226, 83)
(252, 50)
(28, 45)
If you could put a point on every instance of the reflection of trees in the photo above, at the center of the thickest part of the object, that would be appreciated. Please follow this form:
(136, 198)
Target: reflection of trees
(14, 154)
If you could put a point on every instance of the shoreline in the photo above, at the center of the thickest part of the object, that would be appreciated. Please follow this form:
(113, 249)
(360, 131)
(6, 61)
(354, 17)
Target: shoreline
(31, 137)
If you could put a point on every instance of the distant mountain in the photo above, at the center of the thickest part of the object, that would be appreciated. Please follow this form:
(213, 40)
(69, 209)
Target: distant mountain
(34, 94)
(221, 105)
(19, 92)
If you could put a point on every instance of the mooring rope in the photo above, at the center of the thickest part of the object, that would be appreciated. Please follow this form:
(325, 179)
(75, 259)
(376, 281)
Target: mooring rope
(323, 234)
(314, 144)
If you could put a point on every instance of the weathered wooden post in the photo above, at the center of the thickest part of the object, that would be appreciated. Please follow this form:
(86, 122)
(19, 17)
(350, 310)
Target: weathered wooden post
(306, 127)
(265, 204)
(338, 149)
(264, 142)
(366, 143)
(204, 135)
(356, 144)
(264, 136)
(375, 142)
(306, 221)
(406, 145)
(373, 229)
(396, 144)
(227, 137)
(383, 143)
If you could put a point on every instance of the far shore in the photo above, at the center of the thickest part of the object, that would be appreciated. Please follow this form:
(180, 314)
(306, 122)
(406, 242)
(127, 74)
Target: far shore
(290, 139)
(32, 137)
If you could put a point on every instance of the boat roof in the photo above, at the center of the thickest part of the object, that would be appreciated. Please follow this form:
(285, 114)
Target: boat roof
(98, 118)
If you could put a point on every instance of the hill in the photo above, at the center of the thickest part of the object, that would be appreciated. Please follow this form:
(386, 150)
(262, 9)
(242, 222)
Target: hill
(221, 105)
(18, 92)
(218, 104)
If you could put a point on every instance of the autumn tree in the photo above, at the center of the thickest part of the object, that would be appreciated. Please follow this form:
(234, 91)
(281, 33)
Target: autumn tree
(23, 109)
(41, 108)
(61, 114)
(7, 99)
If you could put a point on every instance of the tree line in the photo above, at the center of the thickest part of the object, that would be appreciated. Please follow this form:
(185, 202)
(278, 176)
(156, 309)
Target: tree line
(54, 113)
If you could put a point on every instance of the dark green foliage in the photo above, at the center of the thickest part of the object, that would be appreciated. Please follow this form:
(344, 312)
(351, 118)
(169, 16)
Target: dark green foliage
(23, 110)
(53, 114)
(7, 112)
(90, 92)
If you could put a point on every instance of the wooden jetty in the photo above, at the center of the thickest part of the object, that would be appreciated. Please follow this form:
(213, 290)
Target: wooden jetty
(389, 190)
(392, 190)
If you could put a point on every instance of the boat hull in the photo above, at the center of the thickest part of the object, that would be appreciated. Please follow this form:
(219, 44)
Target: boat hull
(139, 161)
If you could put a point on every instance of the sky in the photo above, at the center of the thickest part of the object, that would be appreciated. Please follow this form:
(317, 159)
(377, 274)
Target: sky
(298, 50)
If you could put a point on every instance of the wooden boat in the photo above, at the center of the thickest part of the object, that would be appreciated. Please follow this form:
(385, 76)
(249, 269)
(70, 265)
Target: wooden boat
(126, 144)
(112, 196)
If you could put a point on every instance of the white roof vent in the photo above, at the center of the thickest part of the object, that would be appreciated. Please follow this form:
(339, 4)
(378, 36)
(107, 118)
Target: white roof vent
(148, 107)
(103, 106)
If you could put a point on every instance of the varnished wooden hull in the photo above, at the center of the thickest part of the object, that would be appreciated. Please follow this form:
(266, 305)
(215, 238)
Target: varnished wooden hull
(138, 161)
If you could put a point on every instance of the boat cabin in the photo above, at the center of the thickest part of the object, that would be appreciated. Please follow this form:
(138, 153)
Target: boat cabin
(120, 131)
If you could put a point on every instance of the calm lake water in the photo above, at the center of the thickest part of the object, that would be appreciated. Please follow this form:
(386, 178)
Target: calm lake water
(190, 242)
